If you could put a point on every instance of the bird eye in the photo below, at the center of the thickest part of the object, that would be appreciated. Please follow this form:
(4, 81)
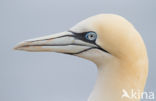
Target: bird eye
(91, 36)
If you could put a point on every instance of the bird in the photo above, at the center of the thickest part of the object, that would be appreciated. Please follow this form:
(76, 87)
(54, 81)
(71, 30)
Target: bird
(112, 43)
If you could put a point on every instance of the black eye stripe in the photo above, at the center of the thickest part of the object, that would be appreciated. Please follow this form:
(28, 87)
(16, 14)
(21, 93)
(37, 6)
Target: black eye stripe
(81, 36)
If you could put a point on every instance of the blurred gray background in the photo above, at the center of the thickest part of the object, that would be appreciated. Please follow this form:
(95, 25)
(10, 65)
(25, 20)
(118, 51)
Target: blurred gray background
(28, 76)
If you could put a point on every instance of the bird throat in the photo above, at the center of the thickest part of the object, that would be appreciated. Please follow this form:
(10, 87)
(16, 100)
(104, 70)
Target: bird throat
(112, 79)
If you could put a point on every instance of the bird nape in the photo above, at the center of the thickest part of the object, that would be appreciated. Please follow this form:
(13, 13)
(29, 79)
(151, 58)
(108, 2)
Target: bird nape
(112, 43)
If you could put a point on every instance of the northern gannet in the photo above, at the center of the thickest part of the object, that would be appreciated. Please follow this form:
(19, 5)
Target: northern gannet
(112, 43)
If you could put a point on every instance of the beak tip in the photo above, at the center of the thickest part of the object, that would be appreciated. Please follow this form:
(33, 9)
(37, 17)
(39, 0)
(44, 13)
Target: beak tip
(19, 46)
(16, 48)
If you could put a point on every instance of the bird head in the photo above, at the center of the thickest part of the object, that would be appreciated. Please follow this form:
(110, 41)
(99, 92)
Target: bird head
(104, 36)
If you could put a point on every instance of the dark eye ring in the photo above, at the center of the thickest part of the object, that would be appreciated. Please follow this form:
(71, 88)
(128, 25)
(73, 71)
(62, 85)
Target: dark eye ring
(91, 36)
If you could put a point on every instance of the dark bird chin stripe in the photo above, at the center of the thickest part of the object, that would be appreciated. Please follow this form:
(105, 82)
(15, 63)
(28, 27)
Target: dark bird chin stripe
(85, 50)
(98, 47)
(102, 49)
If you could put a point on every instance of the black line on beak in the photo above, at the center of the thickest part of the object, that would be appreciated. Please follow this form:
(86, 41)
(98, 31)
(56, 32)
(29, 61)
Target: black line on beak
(79, 36)
(54, 45)
(53, 38)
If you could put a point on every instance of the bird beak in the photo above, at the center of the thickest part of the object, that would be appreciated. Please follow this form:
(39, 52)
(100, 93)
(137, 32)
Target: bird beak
(65, 42)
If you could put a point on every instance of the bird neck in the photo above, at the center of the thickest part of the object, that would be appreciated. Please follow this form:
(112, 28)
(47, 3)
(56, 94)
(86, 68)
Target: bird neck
(113, 78)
